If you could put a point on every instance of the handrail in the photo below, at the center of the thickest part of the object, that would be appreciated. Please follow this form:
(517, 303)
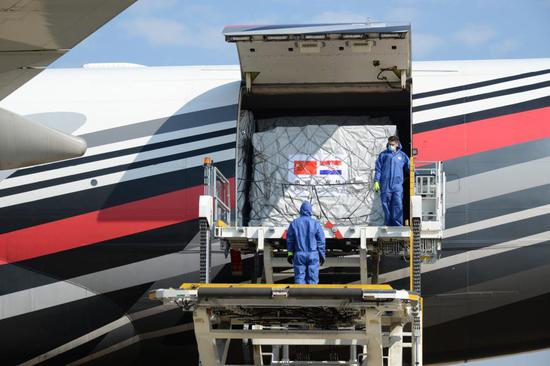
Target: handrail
(218, 187)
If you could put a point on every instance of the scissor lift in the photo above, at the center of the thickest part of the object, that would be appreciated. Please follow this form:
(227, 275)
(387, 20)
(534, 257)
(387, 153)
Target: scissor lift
(369, 320)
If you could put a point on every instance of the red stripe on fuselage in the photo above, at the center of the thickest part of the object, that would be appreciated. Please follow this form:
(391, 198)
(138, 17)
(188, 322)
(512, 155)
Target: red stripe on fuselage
(97, 226)
(489, 134)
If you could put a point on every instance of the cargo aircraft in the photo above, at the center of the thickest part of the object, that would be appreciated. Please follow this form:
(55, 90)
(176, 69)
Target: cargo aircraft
(102, 169)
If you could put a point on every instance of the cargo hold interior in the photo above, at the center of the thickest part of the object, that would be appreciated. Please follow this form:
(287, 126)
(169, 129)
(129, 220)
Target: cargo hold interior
(392, 107)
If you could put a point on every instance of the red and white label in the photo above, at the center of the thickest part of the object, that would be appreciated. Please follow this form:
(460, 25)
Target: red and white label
(308, 169)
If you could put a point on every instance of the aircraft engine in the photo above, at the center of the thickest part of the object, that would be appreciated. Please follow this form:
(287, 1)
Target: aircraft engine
(24, 143)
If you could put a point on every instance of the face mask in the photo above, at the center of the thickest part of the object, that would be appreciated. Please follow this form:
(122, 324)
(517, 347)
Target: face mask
(392, 148)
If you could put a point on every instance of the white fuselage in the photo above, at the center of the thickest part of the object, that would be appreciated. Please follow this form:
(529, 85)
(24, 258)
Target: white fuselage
(122, 113)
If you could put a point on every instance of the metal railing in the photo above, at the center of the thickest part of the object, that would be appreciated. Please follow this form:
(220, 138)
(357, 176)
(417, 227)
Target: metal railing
(430, 184)
(218, 186)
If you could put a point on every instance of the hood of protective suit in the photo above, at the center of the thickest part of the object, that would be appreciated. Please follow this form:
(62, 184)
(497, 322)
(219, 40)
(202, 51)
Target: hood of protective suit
(305, 209)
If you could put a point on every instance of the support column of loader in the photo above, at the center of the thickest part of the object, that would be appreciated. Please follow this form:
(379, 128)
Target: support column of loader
(415, 269)
(204, 248)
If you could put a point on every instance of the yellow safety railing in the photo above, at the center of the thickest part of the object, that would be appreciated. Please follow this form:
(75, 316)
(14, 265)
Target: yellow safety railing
(411, 193)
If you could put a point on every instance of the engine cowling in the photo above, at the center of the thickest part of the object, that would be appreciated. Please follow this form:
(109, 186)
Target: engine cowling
(24, 143)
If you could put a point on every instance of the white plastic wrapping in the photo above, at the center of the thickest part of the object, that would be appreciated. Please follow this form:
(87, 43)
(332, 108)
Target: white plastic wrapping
(244, 161)
(331, 166)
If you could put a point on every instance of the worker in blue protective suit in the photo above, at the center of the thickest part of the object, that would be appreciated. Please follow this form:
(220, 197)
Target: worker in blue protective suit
(305, 241)
(388, 179)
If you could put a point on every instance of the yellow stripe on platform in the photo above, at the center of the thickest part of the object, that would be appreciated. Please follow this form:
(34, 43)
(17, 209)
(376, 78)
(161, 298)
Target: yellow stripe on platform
(411, 244)
(189, 286)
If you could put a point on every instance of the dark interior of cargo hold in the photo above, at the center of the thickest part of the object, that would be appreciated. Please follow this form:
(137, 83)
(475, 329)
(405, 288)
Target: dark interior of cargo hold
(392, 106)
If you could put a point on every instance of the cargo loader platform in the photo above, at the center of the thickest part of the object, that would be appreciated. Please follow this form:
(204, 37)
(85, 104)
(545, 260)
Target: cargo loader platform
(360, 242)
(368, 320)
(347, 246)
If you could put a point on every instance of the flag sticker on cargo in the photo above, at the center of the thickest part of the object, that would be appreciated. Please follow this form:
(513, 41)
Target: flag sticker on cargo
(304, 169)
(331, 167)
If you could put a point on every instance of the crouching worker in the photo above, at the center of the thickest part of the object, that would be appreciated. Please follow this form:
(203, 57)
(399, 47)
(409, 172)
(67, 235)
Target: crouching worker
(305, 240)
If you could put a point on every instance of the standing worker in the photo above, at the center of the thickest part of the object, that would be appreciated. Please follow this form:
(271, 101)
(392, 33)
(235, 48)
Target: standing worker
(305, 241)
(388, 179)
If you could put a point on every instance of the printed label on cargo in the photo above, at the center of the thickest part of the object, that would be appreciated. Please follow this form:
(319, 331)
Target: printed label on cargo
(305, 169)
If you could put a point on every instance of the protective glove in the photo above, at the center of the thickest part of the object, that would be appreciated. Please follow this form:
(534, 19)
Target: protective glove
(321, 260)
(290, 258)
(376, 187)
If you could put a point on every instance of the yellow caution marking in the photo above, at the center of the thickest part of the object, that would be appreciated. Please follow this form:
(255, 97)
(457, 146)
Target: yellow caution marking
(189, 286)
(411, 183)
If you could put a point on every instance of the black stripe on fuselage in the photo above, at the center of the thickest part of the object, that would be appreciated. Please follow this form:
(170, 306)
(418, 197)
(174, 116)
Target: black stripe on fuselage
(496, 159)
(122, 152)
(114, 169)
(481, 115)
(166, 349)
(92, 199)
(472, 98)
(497, 234)
(143, 129)
(459, 276)
(497, 206)
(123, 353)
(29, 335)
(128, 355)
(112, 253)
(470, 272)
(479, 84)
(512, 328)
(86, 311)
(162, 125)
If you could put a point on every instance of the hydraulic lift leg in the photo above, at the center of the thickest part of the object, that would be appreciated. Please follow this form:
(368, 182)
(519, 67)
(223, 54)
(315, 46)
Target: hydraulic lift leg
(268, 263)
(353, 354)
(417, 338)
(245, 347)
(395, 349)
(286, 353)
(373, 327)
(257, 270)
(208, 349)
(363, 268)
(375, 267)
(257, 350)
(275, 352)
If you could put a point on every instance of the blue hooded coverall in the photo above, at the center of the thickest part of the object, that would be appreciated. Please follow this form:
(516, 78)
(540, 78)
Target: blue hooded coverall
(306, 239)
(389, 173)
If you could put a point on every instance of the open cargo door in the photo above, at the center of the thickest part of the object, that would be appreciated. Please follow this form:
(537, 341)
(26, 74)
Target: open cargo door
(323, 57)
